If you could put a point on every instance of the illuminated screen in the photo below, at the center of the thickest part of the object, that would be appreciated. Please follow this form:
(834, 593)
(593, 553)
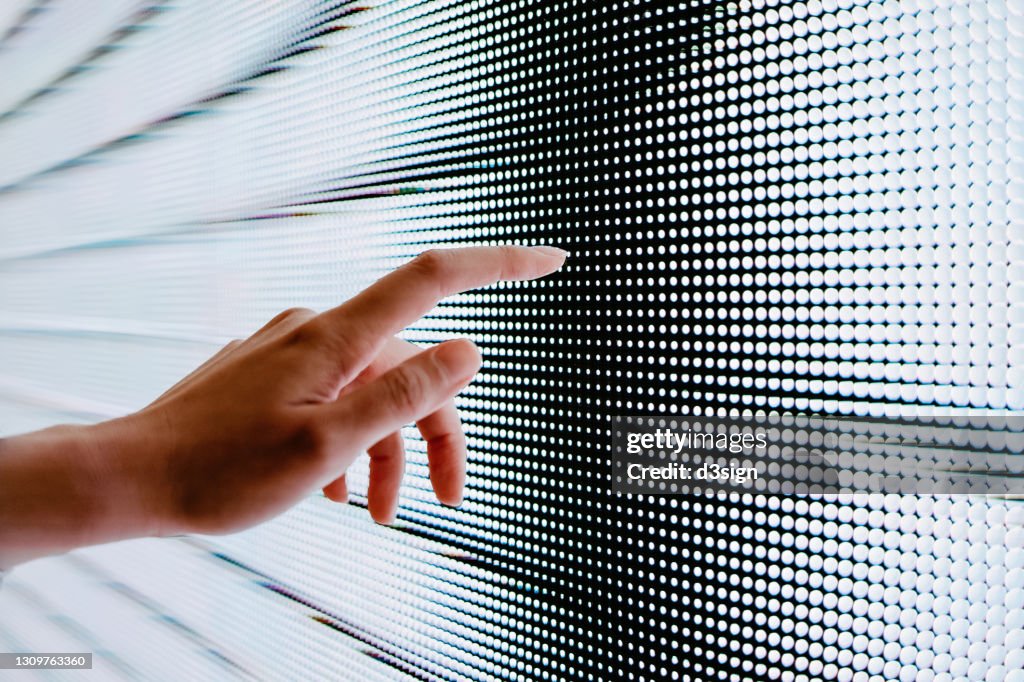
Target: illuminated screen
(808, 206)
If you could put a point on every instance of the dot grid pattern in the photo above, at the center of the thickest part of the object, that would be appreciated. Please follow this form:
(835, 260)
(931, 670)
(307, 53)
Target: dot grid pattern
(801, 205)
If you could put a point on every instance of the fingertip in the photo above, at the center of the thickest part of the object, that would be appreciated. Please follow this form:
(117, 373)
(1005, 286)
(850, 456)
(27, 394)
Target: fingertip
(464, 345)
(552, 251)
(340, 499)
(449, 490)
(385, 517)
(337, 491)
(554, 257)
(453, 501)
(460, 357)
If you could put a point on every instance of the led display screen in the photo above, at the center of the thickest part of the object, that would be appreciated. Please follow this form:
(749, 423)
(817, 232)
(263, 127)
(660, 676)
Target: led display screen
(808, 206)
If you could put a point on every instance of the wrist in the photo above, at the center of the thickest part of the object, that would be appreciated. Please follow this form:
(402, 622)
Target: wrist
(126, 465)
(71, 486)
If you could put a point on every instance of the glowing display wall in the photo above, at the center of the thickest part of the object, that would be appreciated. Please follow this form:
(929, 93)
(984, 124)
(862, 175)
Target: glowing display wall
(811, 205)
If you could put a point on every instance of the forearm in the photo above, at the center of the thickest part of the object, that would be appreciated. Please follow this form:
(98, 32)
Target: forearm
(67, 487)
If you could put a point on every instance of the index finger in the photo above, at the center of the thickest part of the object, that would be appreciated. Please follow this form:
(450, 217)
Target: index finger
(405, 295)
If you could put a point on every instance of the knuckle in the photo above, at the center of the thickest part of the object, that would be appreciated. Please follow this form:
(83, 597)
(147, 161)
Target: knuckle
(433, 262)
(291, 314)
(407, 389)
(348, 349)
(433, 267)
(348, 343)
(297, 313)
(310, 332)
(311, 438)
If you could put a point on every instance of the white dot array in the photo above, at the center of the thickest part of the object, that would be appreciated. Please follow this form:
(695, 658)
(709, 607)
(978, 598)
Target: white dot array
(801, 205)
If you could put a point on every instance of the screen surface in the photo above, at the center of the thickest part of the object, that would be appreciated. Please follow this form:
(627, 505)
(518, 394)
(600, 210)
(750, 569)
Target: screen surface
(808, 206)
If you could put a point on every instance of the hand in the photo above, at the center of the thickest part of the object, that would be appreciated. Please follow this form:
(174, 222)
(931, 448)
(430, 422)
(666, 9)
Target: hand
(441, 429)
(269, 419)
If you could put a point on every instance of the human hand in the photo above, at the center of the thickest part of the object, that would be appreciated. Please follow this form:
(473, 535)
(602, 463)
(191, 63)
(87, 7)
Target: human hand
(269, 419)
(265, 422)
(441, 429)
(286, 411)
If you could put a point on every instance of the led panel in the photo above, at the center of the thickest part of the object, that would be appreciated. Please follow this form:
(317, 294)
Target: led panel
(808, 205)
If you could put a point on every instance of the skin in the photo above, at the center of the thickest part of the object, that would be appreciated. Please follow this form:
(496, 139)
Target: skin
(265, 422)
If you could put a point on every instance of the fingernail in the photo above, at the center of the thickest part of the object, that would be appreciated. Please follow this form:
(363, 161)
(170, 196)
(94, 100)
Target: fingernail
(552, 251)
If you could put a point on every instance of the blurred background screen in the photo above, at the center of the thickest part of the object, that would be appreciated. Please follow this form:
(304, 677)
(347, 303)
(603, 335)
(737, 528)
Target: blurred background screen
(810, 205)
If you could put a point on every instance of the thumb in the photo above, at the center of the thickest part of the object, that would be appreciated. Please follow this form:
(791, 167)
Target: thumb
(404, 394)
